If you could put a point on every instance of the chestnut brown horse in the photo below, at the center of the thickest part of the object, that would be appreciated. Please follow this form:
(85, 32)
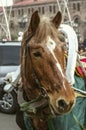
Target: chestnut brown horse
(42, 70)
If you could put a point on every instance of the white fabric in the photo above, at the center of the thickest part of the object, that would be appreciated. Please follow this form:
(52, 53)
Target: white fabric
(72, 53)
(13, 75)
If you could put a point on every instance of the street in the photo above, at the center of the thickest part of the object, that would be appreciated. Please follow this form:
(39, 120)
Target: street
(7, 122)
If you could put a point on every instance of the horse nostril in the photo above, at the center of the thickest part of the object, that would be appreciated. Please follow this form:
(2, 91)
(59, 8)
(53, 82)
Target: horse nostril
(62, 103)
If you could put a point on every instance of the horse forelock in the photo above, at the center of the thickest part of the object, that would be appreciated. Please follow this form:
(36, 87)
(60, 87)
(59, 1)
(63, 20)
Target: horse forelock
(45, 28)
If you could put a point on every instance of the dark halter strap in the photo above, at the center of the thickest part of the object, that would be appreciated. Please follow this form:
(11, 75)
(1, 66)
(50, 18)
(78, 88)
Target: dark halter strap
(27, 51)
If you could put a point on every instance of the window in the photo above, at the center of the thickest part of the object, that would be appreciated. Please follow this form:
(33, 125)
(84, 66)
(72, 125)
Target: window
(22, 24)
(74, 6)
(12, 13)
(50, 8)
(29, 11)
(11, 25)
(42, 10)
(19, 12)
(78, 6)
(32, 10)
(22, 11)
(54, 9)
(76, 20)
(39, 9)
(9, 55)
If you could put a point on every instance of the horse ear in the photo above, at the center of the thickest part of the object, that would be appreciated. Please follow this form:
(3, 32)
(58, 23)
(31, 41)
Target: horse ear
(35, 19)
(57, 19)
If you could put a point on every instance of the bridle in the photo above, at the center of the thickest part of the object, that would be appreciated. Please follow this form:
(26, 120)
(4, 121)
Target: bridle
(43, 93)
(27, 52)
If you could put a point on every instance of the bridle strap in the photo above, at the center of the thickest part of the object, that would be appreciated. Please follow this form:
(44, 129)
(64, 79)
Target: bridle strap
(39, 86)
(27, 51)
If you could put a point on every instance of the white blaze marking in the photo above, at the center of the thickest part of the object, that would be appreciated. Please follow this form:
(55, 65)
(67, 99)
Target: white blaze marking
(58, 65)
(51, 46)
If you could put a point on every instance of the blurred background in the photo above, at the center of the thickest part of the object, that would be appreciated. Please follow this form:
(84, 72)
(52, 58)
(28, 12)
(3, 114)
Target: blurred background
(15, 15)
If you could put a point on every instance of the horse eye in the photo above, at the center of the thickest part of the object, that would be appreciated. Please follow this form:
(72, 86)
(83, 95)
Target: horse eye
(37, 54)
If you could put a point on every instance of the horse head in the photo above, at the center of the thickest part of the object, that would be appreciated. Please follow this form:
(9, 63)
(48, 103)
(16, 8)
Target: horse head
(43, 64)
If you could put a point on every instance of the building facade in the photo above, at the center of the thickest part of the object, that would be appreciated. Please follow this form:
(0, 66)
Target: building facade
(20, 13)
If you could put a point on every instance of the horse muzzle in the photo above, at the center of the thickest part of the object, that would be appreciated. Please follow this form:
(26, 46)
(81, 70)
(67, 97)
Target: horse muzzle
(62, 107)
(62, 104)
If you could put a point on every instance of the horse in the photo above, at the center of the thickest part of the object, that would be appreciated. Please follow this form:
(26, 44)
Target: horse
(43, 77)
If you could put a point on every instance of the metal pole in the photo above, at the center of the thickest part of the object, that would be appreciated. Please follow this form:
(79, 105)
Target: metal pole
(59, 5)
(64, 11)
(65, 7)
(7, 24)
(65, 2)
(3, 28)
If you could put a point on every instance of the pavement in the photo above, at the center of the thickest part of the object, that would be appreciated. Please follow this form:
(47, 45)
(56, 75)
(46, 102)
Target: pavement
(7, 122)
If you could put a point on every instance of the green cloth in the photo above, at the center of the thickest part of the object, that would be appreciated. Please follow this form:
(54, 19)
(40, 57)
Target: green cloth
(28, 122)
(67, 121)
